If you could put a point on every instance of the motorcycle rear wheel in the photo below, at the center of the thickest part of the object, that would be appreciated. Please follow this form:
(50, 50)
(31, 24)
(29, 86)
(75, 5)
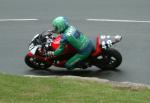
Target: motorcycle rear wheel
(36, 64)
(110, 59)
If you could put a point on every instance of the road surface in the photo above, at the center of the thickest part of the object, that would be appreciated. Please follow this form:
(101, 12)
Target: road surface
(21, 20)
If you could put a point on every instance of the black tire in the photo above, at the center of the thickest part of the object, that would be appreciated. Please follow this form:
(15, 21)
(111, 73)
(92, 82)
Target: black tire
(110, 59)
(36, 64)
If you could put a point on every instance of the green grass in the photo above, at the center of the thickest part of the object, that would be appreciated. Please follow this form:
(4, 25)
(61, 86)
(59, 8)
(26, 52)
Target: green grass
(18, 89)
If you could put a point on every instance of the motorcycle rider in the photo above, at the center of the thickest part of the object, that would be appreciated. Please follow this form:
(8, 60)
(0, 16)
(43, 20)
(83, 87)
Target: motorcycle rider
(70, 35)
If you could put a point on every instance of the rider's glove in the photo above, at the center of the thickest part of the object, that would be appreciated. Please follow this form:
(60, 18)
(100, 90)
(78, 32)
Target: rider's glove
(50, 54)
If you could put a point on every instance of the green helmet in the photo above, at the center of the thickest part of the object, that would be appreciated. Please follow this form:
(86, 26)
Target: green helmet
(60, 24)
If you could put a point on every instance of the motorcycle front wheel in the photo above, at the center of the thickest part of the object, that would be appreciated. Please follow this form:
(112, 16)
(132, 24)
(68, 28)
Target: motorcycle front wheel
(110, 59)
(36, 64)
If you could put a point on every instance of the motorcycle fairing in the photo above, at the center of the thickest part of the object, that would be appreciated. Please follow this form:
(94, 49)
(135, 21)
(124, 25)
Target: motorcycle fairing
(98, 49)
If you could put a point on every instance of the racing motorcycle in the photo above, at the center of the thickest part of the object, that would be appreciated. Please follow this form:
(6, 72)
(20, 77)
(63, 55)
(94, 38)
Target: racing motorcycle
(103, 56)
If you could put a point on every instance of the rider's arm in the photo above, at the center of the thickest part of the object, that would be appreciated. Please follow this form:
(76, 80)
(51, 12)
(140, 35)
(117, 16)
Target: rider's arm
(59, 50)
(62, 45)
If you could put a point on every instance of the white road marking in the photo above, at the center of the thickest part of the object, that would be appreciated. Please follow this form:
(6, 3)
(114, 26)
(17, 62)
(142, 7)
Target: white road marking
(2, 20)
(115, 20)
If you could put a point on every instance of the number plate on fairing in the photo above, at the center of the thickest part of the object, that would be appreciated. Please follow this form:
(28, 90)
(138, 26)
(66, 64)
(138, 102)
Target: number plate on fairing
(106, 41)
(31, 46)
(34, 49)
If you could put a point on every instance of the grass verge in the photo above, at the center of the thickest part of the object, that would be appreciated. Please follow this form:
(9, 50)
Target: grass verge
(18, 89)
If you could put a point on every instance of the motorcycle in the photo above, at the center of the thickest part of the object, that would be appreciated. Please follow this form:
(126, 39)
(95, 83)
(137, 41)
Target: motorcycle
(103, 56)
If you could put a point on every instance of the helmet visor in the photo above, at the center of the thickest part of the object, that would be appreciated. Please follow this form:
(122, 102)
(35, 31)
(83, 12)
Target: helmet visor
(55, 29)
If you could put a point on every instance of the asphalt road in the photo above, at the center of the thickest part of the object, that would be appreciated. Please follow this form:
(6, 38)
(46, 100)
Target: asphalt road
(135, 48)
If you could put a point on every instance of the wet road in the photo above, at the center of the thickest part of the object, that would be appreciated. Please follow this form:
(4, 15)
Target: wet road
(135, 48)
